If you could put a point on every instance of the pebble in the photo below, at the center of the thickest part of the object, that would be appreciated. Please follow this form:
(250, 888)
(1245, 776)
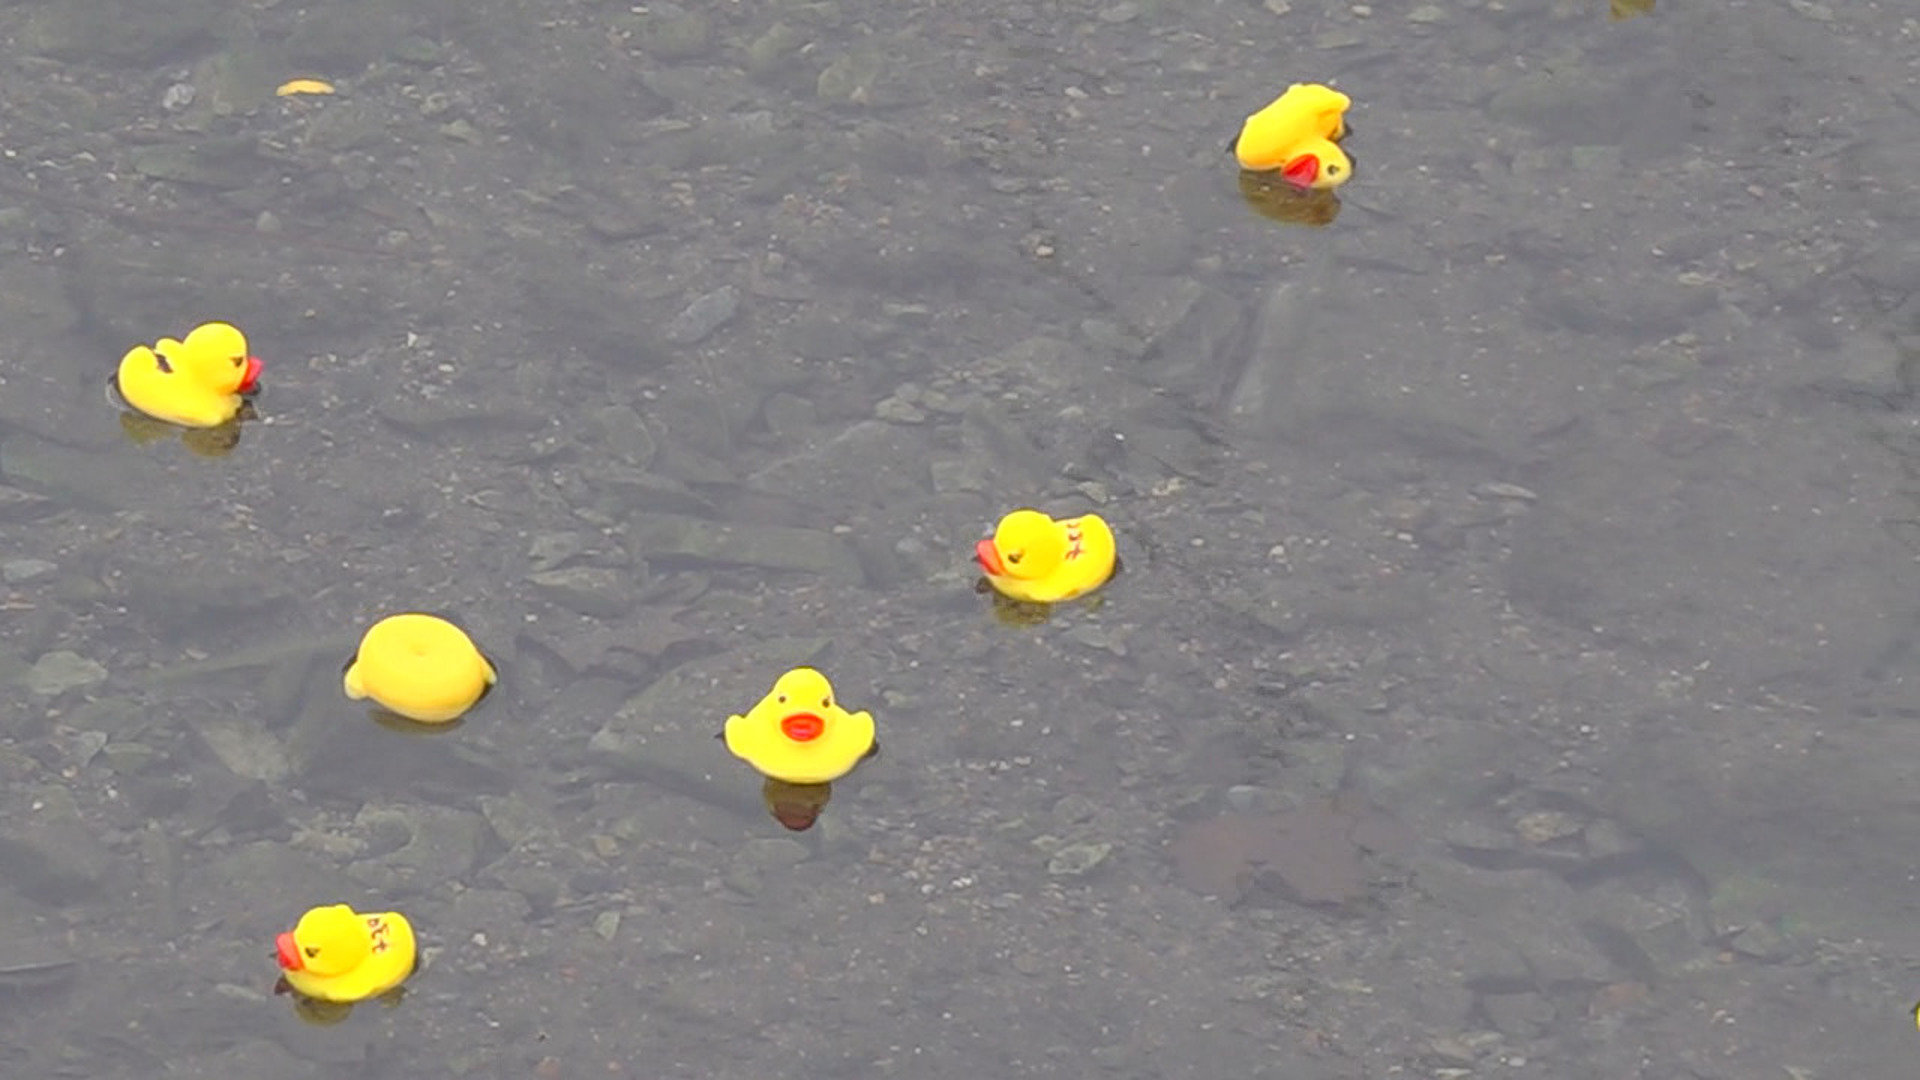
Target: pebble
(1077, 860)
(1248, 799)
(21, 571)
(550, 551)
(704, 316)
(62, 670)
(589, 590)
(1500, 490)
(896, 411)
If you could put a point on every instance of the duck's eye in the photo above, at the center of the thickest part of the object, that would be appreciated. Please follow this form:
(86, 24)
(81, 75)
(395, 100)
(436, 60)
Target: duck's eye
(311, 951)
(1333, 170)
(826, 703)
(1014, 556)
(782, 699)
(238, 360)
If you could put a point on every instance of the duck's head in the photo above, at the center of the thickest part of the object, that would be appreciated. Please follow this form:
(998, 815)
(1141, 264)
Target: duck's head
(799, 706)
(326, 941)
(1027, 544)
(216, 353)
(1317, 165)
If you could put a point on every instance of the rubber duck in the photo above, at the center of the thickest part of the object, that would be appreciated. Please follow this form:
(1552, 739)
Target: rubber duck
(1297, 136)
(337, 954)
(201, 381)
(799, 734)
(1035, 559)
(419, 667)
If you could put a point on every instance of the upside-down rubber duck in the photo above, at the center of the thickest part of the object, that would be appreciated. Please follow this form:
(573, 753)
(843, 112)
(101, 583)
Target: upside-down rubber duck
(1035, 559)
(338, 954)
(1297, 136)
(419, 667)
(201, 381)
(798, 732)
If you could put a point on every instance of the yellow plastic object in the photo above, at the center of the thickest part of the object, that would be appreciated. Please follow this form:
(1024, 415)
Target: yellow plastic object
(199, 382)
(337, 954)
(1034, 558)
(419, 666)
(1297, 136)
(798, 732)
(304, 86)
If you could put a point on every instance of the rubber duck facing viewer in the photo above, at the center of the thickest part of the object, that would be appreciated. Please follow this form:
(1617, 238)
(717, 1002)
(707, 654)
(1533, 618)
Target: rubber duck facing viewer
(1035, 559)
(799, 733)
(1297, 136)
(201, 381)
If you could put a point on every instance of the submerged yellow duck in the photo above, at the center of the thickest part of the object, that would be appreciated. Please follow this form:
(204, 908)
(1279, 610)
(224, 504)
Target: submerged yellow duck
(198, 382)
(420, 667)
(799, 734)
(1297, 136)
(1035, 559)
(338, 954)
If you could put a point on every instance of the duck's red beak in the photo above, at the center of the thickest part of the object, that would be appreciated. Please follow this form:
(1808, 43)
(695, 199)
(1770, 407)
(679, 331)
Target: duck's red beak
(802, 726)
(251, 380)
(289, 953)
(989, 558)
(1302, 171)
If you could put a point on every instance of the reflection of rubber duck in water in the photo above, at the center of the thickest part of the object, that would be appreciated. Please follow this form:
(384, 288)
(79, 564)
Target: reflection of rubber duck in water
(1296, 137)
(796, 806)
(1035, 559)
(1277, 200)
(202, 384)
(1627, 9)
(335, 956)
(799, 734)
(419, 667)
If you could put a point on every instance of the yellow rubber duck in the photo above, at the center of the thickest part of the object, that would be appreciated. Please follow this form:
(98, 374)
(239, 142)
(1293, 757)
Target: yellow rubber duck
(799, 734)
(1037, 560)
(420, 667)
(199, 382)
(337, 954)
(1297, 136)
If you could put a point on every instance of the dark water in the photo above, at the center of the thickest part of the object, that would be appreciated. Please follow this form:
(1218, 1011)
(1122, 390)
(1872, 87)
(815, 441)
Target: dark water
(1518, 556)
